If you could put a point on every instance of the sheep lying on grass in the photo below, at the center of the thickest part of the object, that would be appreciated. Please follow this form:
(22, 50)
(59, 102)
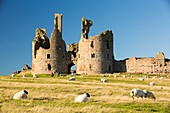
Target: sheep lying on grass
(151, 83)
(72, 78)
(141, 79)
(149, 95)
(124, 76)
(82, 98)
(115, 76)
(13, 75)
(161, 78)
(35, 76)
(137, 93)
(104, 80)
(21, 95)
(24, 76)
(132, 76)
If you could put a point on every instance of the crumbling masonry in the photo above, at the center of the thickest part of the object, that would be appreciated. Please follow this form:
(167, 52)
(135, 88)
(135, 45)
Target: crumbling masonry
(91, 55)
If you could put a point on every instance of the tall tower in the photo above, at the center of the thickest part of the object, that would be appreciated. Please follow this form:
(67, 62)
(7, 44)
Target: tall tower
(59, 56)
(54, 57)
(95, 53)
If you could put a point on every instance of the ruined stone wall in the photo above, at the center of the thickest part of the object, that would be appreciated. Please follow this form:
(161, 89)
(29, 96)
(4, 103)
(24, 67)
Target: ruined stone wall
(95, 54)
(140, 65)
(155, 65)
(73, 52)
(119, 66)
(167, 66)
(41, 63)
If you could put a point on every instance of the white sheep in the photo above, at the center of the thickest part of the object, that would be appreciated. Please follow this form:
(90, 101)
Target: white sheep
(72, 78)
(82, 98)
(161, 78)
(104, 80)
(137, 93)
(115, 76)
(151, 83)
(21, 95)
(153, 77)
(13, 75)
(124, 76)
(35, 76)
(132, 76)
(141, 79)
(24, 76)
(149, 95)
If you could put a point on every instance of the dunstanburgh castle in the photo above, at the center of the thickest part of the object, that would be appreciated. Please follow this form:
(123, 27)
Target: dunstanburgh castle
(91, 55)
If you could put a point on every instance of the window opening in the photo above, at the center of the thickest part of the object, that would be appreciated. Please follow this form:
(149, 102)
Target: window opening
(92, 55)
(48, 56)
(92, 45)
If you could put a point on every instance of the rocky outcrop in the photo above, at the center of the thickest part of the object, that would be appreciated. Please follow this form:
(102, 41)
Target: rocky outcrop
(25, 68)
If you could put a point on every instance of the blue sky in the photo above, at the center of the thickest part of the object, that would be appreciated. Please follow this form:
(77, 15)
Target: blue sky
(141, 27)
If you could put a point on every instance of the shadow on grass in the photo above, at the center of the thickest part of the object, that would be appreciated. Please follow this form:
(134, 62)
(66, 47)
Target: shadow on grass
(45, 98)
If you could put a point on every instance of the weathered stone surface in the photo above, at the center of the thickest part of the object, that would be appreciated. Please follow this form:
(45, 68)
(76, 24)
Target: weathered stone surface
(53, 55)
(40, 40)
(73, 50)
(91, 55)
(86, 24)
(26, 67)
(152, 65)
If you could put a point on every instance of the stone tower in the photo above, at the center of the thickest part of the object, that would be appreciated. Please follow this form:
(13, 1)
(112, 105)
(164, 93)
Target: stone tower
(50, 55)
(95, 53)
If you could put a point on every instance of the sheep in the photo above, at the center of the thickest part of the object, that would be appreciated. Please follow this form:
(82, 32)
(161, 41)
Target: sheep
(104, 80)
(137, 93)
(124, 76)
(115, 76)
(151, 83)
(132, 76)
(147, 76)
(24, 76)
(21, 95)
(35, 76)
(153, 77)
(13, 75)
(72, 78)
(82, 98)
(141, 79)
(161, 78)
(149, 94)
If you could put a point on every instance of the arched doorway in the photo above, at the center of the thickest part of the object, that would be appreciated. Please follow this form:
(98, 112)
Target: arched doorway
(49, 67)
(71, 68)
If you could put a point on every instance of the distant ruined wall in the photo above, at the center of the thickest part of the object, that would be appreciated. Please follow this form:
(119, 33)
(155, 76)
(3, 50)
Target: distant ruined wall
(140, 65)
(155, 65)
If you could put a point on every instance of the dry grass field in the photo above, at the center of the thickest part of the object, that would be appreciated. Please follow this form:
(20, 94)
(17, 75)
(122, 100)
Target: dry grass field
(56, 94)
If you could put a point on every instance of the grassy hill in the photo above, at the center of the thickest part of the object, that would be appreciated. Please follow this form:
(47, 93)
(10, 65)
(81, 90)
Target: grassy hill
(56, 94)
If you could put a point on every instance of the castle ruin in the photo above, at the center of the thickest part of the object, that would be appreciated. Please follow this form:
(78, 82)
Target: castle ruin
(91, 55)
